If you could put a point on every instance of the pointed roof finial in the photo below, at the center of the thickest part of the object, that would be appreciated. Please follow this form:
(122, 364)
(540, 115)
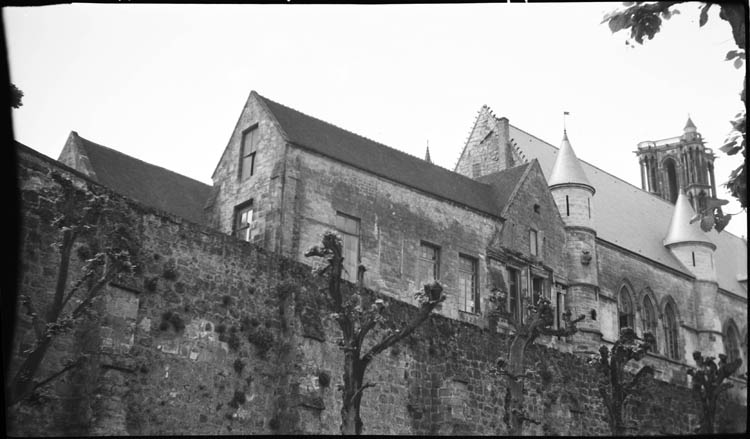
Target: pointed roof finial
(680, 229)
(565, 128)
(427, 153)
(689, 126)
(567, 168)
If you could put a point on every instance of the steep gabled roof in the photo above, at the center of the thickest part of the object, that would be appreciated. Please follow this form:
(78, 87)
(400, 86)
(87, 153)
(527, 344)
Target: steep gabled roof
(633, 219)
(333, 142)
(505, 182)
(149, 184)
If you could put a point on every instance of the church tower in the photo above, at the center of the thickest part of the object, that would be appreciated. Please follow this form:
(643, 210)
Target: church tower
(683, 161)
(573, 193)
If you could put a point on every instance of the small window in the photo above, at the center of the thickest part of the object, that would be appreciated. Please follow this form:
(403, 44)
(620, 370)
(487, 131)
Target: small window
(533, 242)
(243, 220)
(467, 284)
(693, 253)
(536, 208)
(567, 206)
(428, 265)
(348, 227)
(476, 170)
(249, 146)
(588, 204)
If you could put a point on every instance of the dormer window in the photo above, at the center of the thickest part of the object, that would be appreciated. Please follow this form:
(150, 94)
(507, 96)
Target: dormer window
(249, 146)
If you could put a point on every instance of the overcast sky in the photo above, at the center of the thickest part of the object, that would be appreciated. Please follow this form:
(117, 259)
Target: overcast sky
(166, 83)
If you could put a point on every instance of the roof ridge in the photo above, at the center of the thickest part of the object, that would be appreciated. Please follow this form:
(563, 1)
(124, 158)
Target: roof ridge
(373, 141)
(612, 175)
(140, 160)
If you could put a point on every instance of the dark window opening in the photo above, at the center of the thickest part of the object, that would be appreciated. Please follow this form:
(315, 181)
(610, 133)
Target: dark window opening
(567, 206)
(671, 180)
(514, 285)
(625, 310)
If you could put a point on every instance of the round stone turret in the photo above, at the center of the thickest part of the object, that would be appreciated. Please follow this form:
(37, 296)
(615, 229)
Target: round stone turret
(688, 243)
(571, 188)
(572, 193)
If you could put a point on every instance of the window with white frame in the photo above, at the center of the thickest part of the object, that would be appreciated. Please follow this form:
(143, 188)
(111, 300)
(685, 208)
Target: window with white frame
(468, 291)
(243, 220)
(428, 264)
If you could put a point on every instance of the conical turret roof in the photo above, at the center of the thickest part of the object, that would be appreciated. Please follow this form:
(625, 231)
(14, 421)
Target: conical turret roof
(689, 126)
(567, 169)
(680, 229)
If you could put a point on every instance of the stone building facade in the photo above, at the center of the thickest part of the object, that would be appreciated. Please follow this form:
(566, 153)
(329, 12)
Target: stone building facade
(517, 217)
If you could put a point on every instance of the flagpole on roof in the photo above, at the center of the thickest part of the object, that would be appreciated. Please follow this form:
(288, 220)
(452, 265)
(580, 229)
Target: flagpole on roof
(565, 128)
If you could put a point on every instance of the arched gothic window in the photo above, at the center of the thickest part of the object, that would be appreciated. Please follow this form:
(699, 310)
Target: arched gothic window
(649, 316)
(671, 332)
(732, 344)
(625, 309)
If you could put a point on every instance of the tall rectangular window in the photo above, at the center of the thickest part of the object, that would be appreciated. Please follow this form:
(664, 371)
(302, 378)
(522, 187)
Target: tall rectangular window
(533, 242)
(348, 227)
(428, 264)
(243, 220)
(468, 293)
(567, 206)
(559, 305)
(514, 294)
(537, 288)
(249, 146)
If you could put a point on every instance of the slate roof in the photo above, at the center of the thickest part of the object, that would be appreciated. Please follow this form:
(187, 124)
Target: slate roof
(631, 218)
(331, 141)
(504, 182)
(150, 184)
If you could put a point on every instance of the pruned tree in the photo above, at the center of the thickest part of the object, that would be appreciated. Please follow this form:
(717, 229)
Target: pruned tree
(614, 388)
(356, 318)
(708, 384)
(96, 228)
(644, 20)
(540, 321)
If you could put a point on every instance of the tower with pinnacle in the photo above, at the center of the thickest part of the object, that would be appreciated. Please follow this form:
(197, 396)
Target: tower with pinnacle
(683, 161)
(573, 195)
